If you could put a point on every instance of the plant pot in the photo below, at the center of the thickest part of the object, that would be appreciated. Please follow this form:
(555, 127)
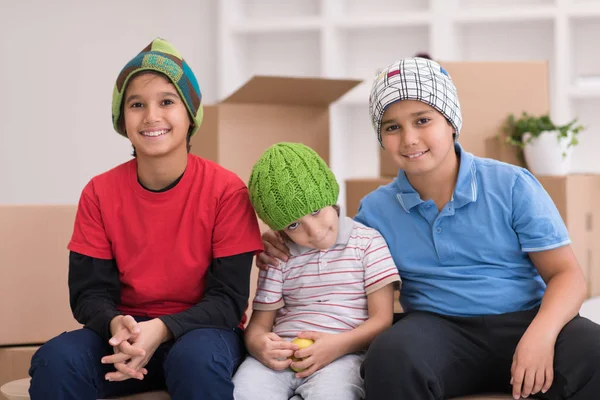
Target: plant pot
(547, 154)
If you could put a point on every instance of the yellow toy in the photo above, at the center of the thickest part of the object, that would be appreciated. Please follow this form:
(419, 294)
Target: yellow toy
(302, 344)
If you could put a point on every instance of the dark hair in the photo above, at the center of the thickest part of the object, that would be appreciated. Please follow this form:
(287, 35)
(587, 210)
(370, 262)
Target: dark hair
(423, 54)
(453, 133)
(121, 120)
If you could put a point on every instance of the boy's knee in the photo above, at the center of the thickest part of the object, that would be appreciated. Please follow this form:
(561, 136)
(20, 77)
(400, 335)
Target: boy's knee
(67, 354)
(348, 390)
(384, 348)
(591, 365)
(338, 380)
(204, 353)
(389, 356)
(198, 357)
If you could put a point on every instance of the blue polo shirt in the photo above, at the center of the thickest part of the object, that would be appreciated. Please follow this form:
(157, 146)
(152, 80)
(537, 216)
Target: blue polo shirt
(471, 257)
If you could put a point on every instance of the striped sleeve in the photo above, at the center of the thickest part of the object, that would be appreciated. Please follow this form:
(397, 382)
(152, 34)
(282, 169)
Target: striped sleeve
(380, 269)
(269, 292)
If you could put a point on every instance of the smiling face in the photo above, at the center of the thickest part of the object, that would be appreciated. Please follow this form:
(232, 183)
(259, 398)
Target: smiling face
(156, 119)
(317, 230)
(418, 137)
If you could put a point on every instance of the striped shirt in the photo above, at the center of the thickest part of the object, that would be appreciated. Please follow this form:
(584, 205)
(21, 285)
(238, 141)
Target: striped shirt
(326, 290)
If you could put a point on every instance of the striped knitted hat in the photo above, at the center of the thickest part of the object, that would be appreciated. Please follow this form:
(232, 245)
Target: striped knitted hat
(414, 79)
(290, 181)
(161, 56)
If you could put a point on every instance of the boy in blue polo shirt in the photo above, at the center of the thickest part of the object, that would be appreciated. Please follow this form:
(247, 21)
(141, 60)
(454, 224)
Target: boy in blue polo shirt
(491, 285)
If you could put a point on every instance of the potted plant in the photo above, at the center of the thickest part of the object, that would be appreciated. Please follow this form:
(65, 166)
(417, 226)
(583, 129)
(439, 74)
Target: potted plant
(546, 146)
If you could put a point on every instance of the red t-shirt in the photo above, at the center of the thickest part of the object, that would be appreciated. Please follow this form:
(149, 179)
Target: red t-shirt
(163, 243)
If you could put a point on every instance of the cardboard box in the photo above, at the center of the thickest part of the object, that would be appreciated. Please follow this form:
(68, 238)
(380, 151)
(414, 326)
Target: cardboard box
(576, 198)
(14, 362)
(264, 111)
(488, 92)
(498, 149)
(34, 263)
(356, 189)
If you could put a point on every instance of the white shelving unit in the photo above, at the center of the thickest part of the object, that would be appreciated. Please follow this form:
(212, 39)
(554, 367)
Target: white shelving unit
(352, 38)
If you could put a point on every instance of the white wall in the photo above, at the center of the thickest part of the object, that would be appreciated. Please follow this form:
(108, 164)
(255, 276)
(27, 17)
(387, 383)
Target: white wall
(58, 63)
(59, 60)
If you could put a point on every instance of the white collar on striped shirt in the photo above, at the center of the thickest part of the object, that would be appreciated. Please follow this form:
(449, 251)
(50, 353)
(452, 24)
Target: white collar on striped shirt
(344, 231)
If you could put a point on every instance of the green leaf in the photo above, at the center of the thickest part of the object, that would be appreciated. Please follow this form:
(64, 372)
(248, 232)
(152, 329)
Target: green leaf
(514, 129)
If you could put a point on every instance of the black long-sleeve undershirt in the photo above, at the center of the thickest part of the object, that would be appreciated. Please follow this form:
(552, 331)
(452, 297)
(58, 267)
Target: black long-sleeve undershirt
(95, 289)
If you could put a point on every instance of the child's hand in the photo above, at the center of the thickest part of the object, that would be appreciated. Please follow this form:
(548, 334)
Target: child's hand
(532, 368)
(275, 250)
(325, 349)
(151, 334)
(125, 330)
(272, 351)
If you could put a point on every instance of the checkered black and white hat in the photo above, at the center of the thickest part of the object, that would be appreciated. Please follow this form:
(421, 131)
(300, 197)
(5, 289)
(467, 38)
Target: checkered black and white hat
(414, 79)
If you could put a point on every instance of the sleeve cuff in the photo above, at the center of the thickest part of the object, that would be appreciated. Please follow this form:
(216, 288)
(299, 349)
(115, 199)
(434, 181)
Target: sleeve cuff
(533, 247)
(175, 327)
(395, 279)
(101, 324)
(268, 306)
(90, 252)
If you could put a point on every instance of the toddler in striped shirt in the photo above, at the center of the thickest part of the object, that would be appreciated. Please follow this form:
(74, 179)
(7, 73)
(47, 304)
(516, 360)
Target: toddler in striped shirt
(335, 290)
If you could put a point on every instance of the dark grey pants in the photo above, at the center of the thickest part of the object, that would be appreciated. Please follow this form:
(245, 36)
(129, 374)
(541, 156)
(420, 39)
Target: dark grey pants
(427, 356)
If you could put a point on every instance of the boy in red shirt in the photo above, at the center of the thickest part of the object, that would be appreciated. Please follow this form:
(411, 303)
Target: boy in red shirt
(160, 257)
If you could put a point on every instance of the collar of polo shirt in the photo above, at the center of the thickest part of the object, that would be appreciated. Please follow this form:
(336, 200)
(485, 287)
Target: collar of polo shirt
(466, 185)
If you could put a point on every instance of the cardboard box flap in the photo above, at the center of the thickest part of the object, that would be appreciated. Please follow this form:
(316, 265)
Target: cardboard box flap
(291, 91)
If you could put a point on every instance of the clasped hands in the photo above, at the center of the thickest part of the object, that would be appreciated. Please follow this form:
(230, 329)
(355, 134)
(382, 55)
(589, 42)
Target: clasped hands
(133, 343)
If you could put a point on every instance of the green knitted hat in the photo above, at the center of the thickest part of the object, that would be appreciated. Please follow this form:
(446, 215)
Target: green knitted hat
(161, 56)
(290, 181)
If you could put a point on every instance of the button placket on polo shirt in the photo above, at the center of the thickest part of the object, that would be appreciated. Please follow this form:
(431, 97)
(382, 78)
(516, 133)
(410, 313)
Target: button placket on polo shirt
(321, 260)
(429, 212)
(441, 239)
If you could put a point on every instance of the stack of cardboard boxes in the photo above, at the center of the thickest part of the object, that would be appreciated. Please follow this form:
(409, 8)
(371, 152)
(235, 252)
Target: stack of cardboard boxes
(577, 198)
(33, 282)
(488, 93)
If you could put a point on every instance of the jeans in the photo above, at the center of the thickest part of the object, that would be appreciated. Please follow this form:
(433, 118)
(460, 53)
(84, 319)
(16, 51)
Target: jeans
(198, 366)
